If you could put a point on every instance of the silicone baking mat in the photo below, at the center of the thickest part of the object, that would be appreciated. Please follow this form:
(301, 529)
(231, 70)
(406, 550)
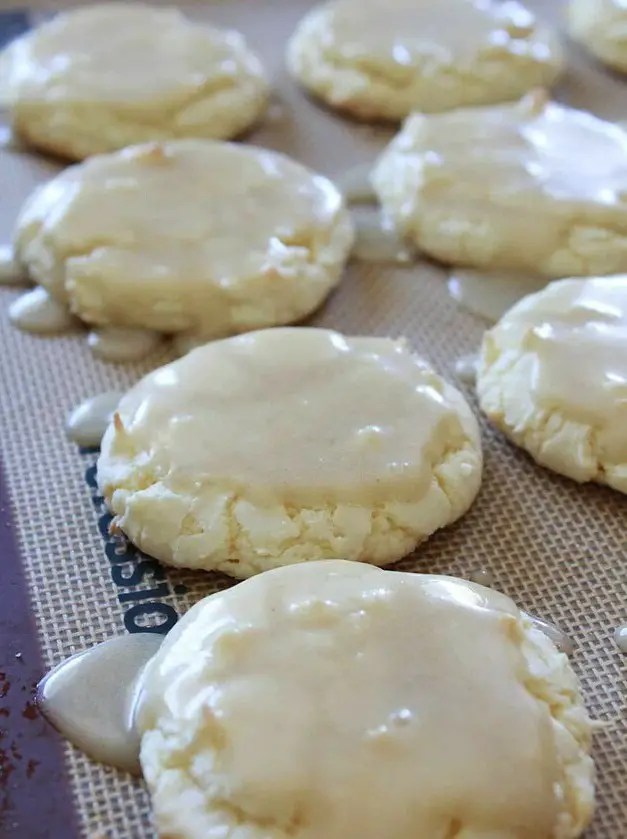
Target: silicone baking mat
(557, 548)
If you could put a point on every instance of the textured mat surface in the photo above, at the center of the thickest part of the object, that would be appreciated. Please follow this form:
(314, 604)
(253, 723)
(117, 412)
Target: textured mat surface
(557, 548)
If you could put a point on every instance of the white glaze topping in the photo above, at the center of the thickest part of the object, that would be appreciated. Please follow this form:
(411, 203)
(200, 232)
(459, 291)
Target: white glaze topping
(90, 698)
(298, 688)
(620, 636)
(400, 34)
(490, 295)
(575, 335)
(117, 344)
(466, 368)
(71, 57)
(89, 420)
(482, 577)
(562, 641)
(359, 419)
(214, 238)
(303, 685)
(534, 187)
(36, 311)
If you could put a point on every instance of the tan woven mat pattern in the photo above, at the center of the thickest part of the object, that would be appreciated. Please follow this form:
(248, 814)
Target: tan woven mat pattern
(557, 548)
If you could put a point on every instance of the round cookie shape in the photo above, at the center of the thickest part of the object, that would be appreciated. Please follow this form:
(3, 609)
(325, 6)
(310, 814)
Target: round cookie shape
(289, 445)
(553, 376)
(339, 701)
(377, 60)
(194, 236)
(533, 187)
(109, 75)
(601, 26)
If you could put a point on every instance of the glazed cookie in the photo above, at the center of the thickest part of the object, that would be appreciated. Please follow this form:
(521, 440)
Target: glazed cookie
(379, 60)
(289, 445)
(193, 236)
(601, 26)
(339, 701)
(534, 187)
(110, 75)
(553, 376)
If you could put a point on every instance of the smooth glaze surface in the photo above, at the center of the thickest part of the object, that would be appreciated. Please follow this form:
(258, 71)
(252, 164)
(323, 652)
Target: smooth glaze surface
(406, 675)
(309, 442)
(200, 237)
(104, 716)
(620, 636)
(36, 311)
(89, 420)
(70, 57)
(117, 344)
(490, 295)
(401, 34)
(466, 368)
(561, 640)
(575, 337)
(91, 697)
(482, 577)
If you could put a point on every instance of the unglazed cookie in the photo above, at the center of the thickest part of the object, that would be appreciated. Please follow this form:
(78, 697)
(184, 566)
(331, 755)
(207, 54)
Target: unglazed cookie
(339, 701)
(380, 60)
(289, 445)
(533, 187)
(553, 376)
(601, 26)
(191, 236)
(110, 75)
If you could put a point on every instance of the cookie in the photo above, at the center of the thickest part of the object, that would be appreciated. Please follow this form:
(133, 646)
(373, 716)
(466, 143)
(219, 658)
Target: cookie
(553, 376)
(191, 236)
(601, 27)
(289, 445)
(376, 60)
(109, 75)
(337, 700)
(533, 187)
